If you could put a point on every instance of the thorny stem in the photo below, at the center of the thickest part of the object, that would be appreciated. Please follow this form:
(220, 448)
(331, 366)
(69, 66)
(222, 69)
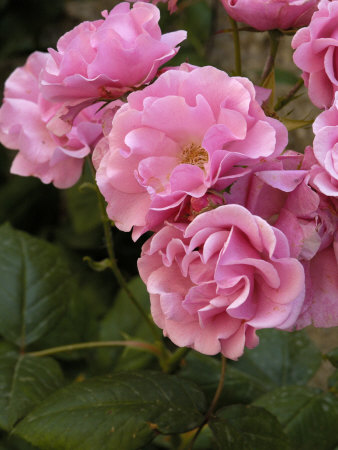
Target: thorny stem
(274, 36)
(213, 404)
(113, 265)
(237, 46)
(290, 96)
(85, 345)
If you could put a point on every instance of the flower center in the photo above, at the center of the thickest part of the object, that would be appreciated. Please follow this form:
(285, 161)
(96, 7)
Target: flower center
(195, 155)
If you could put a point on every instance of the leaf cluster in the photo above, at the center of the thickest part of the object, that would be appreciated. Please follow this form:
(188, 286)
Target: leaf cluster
(119, 397)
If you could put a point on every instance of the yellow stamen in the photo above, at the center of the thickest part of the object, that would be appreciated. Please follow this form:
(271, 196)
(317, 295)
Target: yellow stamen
(195, 155)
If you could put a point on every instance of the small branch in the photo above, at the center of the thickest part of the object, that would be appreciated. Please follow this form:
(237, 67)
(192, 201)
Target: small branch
(113, 264)
(212, 405)
(274, 36)
(237, 46)
(218, 390)
(86, 345)
(290, 96)
(230, 30)
(175, 359)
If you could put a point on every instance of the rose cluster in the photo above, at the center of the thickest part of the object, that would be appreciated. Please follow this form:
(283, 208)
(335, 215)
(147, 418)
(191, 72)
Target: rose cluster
(245, 232)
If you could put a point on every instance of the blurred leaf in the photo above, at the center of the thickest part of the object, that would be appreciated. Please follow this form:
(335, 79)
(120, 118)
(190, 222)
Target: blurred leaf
(196, 19)
(82, 207)
(3, 3)
(239, 387)
(309, 416)
(333, 382)
(332, 356)
(247, 428)
(24, 381)
(124, 411)
(123, 320)
(15, 443)
(285, 76)
(35, 284)
(292, 124)
(26, 203)
(281, 358)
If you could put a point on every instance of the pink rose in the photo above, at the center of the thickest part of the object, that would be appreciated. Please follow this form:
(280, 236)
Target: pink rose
(214, 282)
(186, 133)
(172, 7)
(317, 55)
(321, 304)
(269, 14)
(24, 125)
(106, 58)
(325, 149)
(309, 220)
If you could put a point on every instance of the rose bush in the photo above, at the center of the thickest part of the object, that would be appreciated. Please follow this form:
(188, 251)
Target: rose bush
(186, 133)
(270, 14)
(316, 54)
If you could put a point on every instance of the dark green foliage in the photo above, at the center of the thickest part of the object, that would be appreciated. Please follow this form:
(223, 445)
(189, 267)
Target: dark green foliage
(36, 283)
(309, 416)
(247, 428)
(123, 411)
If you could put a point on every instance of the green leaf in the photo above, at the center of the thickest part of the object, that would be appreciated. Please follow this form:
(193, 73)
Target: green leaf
(122, 321)
(281, 358)
(15, 443)
(332, 356)
(24, 382)
(35, 285)
(247, 428)
(124, 411)
(309, 416)
(239, 387)
(80, 323)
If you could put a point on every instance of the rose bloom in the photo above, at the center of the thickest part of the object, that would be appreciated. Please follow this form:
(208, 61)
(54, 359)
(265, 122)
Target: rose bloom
(325, 149)
(214, 282)
(320, 308)
(186, 133)
(284, 192)
(316, 54)
(107, 58)
(317, 217)
(269, 14)
(24, 125)
(172, 4)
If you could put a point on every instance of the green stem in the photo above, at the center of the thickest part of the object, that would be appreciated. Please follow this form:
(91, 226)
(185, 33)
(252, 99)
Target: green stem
(113, 265)
(171, 364)
(274, 36)
(290, 96)
(85, 345)
(213, 404)
(218, 390)
(237, 46)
